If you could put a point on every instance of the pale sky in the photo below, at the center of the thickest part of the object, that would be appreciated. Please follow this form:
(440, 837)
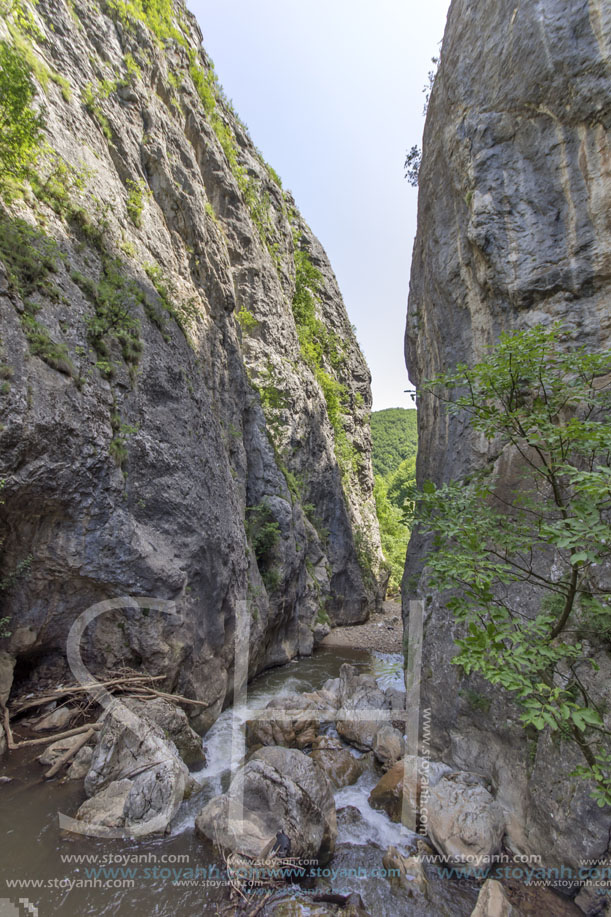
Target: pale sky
(331, 91)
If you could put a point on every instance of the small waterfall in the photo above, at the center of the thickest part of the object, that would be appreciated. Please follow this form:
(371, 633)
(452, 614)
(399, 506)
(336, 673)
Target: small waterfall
(377, 828)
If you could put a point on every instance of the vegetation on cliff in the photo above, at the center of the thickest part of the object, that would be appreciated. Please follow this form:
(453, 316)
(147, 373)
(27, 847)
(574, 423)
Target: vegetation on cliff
(148, 256)
(522, 552)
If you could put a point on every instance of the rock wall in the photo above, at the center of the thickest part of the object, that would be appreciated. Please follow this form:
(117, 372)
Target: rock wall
(514, 229)
(165, 429)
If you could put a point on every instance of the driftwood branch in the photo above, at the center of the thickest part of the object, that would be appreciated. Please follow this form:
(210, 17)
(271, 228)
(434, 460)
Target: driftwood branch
(80, 689)
(177, 698)
(136, 685)
(47, 739)
(70, 753)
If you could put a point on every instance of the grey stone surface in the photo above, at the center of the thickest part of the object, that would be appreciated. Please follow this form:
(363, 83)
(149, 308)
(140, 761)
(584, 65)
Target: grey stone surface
(170, 523)
(55, 750)
(341, 767)
(172, 720)
(107, 807)
(57, 720)
(388, 745)
(492, 901)
(81, 763)
(7, 666)
(126, 744)
(292, 720)
(465, 822)
(135, 773)
(356, 694)
(403, 791)
(513, 230)
(277, 790)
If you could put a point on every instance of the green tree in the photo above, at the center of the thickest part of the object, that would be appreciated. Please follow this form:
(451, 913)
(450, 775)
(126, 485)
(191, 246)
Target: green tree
(394, 534)
(523, 556)
(401, 482)
(20, 125)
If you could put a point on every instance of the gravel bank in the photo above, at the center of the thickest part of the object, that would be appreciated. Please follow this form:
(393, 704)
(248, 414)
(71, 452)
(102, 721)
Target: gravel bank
(383, 632)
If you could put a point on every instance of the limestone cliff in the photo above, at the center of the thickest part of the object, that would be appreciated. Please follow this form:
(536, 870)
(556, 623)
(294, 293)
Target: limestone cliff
(185, 407)
(514, 229)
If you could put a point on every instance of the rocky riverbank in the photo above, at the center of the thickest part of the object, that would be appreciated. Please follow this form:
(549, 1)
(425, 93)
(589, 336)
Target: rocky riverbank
(322, 775)
(383, 631)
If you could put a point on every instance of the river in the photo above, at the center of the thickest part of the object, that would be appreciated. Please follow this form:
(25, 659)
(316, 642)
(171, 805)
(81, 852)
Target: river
(70, 875)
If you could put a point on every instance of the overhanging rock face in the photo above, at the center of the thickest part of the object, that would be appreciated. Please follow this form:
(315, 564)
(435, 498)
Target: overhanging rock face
(514, 229)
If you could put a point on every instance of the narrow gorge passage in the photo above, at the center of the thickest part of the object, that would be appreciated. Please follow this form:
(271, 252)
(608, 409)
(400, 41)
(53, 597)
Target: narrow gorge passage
(285, 631)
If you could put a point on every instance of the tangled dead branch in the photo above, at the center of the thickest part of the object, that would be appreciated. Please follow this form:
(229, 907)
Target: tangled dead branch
(80, 699)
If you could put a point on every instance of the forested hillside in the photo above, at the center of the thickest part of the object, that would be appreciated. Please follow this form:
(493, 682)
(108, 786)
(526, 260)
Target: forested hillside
(394, 435)
(395, 438)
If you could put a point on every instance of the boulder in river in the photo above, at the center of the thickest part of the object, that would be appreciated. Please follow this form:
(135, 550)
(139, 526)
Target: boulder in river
(107, 808)
(277, 790)
(388, 745)
(363, 699)
(81, 763)
(464, 820)
(174, 723)
(137, 777)
(492, 901)
(149, 732)
(55, 750)
(406, 872)
(397, 789)
(338, 763)
(292, 720)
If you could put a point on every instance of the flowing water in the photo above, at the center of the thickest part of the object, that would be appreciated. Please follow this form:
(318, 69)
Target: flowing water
(76, 875)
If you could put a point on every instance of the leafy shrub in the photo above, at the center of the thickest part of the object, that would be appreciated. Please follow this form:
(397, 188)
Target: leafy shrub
(132, 67)
(322, 616)
(136, 193)
(246, 320)
(31, 257)
(394, 534)
(41, 343)
(117, 447)
(92, 97)
(263, 532)
(114, 298)
(413, 161)
(20, 126)
(58, 187)
(318, 345)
